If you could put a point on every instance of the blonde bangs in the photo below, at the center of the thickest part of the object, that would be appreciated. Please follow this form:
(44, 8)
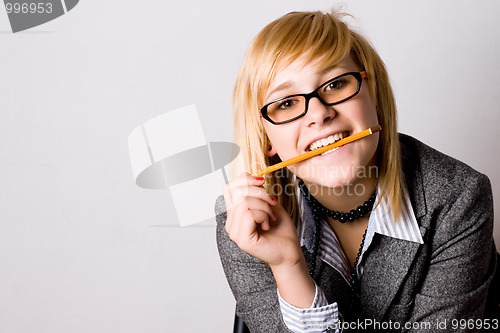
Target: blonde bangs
(313, 36)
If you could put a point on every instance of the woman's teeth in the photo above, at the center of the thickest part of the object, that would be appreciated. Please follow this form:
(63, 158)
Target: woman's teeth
(329, 140)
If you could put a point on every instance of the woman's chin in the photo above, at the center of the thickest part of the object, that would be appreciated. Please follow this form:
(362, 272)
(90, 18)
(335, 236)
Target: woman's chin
(333, 183)
(349, 180)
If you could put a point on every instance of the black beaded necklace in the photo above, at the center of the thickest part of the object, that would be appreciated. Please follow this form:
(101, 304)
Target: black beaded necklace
(318, 209)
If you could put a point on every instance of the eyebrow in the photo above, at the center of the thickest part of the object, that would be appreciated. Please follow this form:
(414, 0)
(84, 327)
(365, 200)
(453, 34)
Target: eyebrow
(283, 86)
(289, 84)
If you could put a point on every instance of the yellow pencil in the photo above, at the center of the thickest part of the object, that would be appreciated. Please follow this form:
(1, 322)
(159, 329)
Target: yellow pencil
(318, 151)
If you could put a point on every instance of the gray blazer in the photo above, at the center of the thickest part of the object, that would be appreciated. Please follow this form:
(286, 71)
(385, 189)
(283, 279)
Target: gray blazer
(445, 278)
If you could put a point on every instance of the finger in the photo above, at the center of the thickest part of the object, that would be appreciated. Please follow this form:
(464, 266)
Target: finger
(256, 204)
(243, 181)
(248, 230)
(241, 187)
(261, 219)
(260, 216)
(246, 218)
(238, 213)
(240, 193)
(266, 226)
(241, 217)
(245, 222)
(246, 179)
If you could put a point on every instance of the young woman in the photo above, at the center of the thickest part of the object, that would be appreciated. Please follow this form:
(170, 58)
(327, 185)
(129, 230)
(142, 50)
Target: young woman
(382, 231)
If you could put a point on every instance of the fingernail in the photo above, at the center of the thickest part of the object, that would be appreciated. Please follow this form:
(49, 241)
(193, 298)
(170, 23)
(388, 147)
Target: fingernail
(274, 199)
(259, 178)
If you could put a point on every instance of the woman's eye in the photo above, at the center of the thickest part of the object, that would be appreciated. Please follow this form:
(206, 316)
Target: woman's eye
(335, 85)
(286, 104)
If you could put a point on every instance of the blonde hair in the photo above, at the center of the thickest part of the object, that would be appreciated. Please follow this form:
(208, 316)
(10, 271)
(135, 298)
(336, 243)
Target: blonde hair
(314, 36)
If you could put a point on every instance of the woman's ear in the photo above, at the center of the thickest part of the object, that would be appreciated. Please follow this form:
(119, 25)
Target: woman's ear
(270, 151)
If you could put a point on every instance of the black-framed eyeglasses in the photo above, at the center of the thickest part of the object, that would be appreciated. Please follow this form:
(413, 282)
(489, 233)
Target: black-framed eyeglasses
(334, 91)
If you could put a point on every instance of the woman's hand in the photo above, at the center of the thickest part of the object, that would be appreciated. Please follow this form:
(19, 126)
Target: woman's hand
(258, 224)
(261, 227)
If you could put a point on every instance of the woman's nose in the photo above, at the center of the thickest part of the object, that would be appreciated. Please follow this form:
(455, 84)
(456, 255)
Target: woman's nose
(318, 113)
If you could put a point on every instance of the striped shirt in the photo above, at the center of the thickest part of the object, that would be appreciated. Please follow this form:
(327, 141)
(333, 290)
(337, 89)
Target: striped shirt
(321, 316)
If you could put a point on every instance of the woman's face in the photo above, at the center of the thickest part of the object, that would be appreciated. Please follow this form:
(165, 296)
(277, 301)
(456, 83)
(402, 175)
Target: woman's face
(348, 164)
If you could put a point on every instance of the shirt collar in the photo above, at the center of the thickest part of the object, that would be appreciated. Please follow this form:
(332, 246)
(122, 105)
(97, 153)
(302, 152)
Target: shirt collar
(405, 227)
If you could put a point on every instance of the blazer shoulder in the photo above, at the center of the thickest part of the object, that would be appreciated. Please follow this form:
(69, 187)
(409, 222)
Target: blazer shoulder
(444, 189)
(438, 170)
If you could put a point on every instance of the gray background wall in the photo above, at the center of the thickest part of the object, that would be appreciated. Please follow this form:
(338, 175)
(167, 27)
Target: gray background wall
(82, 249)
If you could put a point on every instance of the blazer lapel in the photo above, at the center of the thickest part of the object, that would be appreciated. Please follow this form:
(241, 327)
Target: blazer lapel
(413, 175)
(384, 271)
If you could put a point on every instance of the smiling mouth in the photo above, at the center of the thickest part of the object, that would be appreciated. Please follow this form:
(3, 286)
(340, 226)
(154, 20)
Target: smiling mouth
(327, 141)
